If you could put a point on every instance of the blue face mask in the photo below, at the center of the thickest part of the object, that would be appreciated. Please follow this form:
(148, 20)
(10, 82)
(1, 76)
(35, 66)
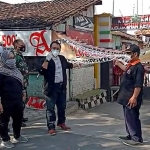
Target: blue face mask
(55, 52)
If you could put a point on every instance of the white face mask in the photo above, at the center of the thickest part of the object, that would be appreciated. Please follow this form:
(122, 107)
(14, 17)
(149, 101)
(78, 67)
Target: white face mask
(55, 52)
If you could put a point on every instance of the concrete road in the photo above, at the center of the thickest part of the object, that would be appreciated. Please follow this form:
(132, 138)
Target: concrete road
(97, 129)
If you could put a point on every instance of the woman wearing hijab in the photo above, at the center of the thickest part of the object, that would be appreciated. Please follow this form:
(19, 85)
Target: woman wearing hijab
(11, 104)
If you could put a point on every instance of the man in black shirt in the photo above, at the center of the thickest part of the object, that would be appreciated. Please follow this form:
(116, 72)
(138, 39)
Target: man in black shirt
(130, 95)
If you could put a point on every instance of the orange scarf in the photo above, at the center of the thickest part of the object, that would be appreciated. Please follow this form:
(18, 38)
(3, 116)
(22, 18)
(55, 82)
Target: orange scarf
(132, 63)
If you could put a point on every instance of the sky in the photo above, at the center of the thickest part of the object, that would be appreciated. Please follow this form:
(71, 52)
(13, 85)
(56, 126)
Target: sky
(124, 7)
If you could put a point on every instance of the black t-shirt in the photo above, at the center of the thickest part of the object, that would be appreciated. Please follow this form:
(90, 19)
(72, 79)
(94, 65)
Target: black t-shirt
(133, 77)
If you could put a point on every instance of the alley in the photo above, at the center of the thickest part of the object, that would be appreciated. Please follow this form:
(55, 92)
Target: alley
(94, 130)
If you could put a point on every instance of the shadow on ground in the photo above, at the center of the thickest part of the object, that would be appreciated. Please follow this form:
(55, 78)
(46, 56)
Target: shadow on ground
(96, 130)
(68, 141)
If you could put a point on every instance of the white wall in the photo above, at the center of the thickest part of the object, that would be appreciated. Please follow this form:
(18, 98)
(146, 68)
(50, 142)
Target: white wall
(82, 80)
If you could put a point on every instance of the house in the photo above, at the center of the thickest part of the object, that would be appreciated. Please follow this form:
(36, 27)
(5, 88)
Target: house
(121, 40)
(29, 20)
(41, 15)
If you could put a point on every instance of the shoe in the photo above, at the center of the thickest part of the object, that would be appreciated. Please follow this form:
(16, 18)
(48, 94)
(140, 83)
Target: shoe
(23, 125)
(52, 132)
(125, 138)
(63, 127)
(132, 143)
(21, 139)
(7, 144)
(24, 119)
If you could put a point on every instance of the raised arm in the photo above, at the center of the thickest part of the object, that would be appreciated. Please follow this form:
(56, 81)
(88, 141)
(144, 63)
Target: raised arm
(121, 66)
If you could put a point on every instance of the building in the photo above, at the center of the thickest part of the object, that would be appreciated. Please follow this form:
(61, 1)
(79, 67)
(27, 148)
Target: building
(35, 23)
(121, 40)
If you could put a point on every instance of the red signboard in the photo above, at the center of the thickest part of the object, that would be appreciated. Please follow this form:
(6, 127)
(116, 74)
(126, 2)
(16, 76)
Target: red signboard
(131, 23)
(82, 36)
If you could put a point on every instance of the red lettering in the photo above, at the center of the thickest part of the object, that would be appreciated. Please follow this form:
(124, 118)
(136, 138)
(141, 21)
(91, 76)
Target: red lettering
(4, 40)
(40, 42)
(86, 54)
(8, 40)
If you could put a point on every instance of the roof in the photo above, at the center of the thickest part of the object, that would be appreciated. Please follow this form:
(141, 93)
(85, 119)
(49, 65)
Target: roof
(143, 32)
(3, 3)
(125, 35)
(40, 14)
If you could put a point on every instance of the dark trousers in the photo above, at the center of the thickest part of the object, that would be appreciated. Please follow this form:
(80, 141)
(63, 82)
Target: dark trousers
(15, 111)
(24, 102)
(58, 98)
(133, 123)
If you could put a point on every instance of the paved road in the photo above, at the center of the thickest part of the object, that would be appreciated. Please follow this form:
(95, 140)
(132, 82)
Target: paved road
(96, 130)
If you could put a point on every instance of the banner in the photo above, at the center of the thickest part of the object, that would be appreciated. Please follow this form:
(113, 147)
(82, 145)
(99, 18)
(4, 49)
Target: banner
(84, 36)
(79, 52)
(37, 42)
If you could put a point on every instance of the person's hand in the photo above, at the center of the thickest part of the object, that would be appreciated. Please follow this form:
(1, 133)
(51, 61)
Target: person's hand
(116, 62)
(76, 65)
(132, 102)
(45, 65)
(49, 56)
(24, 96)
(1, 108)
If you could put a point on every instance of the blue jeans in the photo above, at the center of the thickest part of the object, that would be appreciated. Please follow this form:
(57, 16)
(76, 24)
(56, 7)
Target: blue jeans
(58, 98)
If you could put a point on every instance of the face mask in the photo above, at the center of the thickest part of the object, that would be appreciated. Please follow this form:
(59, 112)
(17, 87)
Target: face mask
(11, 63)
(55, 52)
(22, 49)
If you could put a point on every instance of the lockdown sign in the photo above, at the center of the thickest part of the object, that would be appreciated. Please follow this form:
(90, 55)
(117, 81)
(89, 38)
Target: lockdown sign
(37, 42)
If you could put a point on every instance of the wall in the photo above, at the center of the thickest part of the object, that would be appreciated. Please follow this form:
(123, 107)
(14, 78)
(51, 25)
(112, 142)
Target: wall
(82, 80)
(36, 86)
(116, 42)
(89, 12)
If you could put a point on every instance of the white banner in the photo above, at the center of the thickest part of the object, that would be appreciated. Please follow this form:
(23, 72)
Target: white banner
(37, 42)
(94, 54)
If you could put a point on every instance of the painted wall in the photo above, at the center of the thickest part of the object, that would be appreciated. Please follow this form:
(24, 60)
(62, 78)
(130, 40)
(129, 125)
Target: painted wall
(116, 42)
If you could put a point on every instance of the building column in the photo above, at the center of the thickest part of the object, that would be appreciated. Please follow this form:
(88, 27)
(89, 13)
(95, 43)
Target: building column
(102, 38)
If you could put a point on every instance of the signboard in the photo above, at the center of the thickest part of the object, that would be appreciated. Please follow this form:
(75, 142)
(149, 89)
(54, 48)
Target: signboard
(83, 23)
(85, 37)
(37, 42)
(131, 23)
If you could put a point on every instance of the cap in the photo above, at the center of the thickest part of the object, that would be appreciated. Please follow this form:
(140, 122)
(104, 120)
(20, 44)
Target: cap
(133, 48)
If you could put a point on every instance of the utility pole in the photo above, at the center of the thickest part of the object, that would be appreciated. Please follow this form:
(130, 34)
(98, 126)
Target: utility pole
(133, 10)
(142, 7)
(113, 9)
(137, 7)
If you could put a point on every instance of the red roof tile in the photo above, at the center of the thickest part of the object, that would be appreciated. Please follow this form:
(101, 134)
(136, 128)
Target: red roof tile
(127, 36)
(40, 14)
